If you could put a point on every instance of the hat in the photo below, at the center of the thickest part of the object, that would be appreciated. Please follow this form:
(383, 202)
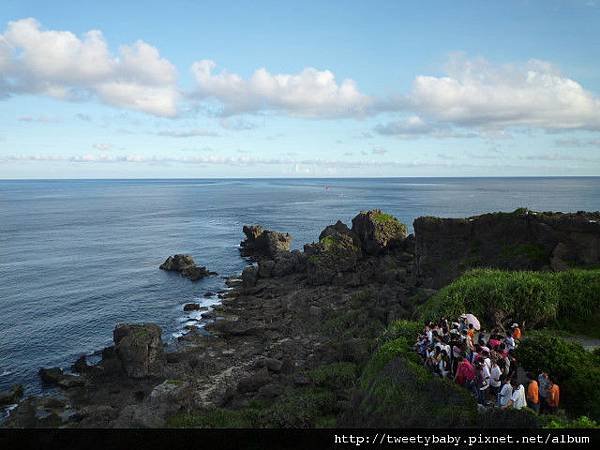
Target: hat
(514, 325)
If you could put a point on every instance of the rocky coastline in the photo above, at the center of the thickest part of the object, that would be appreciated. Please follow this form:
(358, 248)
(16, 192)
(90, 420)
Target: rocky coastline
(291, 313)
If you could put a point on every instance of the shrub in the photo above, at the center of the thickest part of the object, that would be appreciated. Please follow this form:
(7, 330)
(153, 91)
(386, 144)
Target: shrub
(569, 299)
(577, 371)
(580, 422)
(402, 328)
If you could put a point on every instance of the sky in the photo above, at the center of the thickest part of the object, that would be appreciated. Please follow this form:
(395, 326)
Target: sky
(198, 89)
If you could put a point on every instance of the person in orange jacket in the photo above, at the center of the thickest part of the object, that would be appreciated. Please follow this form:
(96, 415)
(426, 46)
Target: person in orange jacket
(533, 394)
(553, 399)
(516, 332)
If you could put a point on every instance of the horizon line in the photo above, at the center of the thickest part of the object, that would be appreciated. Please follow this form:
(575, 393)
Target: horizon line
(302, 178)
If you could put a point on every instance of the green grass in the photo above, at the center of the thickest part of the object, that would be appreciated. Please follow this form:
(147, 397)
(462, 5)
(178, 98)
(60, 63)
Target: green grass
(382, 217)
(568, 300)
(337, 243)
(389, 221)
(296, 408)
(340, 375)
(212, 418)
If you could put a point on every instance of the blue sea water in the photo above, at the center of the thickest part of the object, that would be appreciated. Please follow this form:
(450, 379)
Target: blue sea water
(76, 256)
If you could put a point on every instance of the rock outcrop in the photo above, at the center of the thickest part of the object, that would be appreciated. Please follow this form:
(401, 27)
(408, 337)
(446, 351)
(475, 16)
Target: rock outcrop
(249, 277)
(139, 349)
(521, 240)
(264, 243)
(378, 231)
(55, 376)
(337, 251)
(186, 266)
(11, 396)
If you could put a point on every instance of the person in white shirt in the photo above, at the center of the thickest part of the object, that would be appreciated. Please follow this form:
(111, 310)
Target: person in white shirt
(486, 360)
(509, 340)
(517, 399)
(495, 375)
(505, 393)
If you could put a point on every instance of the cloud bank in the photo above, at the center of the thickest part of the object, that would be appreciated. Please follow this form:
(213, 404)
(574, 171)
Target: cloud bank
(472, 96)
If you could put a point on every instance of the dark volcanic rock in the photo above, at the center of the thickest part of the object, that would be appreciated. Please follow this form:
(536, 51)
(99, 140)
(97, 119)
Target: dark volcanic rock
(337, 251)
(140, 349)
(186, 266)
(191, 307)
(264, 243)
(249, 277)
(255, 381)
(12, 396)
(81, 365)
(286, 263)
(51, 375)
(378, 231)
(56, 376)
(274, 365)
(521, 240)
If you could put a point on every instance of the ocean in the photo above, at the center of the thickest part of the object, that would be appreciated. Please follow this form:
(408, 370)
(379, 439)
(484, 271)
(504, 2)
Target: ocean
(79, 256)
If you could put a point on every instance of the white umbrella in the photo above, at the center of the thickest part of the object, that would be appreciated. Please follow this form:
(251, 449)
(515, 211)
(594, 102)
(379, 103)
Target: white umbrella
(472, 319)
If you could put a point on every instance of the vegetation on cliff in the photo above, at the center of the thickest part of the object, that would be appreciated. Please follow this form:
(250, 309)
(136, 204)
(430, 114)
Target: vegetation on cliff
(568, 299)
(577, 370)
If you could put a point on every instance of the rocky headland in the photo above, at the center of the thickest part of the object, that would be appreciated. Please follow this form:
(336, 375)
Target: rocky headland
(288, 343)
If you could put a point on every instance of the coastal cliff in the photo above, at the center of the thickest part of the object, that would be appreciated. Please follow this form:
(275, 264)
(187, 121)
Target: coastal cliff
(521, 240)
(292, 342)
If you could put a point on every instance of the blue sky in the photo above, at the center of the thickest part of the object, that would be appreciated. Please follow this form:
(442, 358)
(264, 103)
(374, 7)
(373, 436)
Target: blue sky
(277, 89)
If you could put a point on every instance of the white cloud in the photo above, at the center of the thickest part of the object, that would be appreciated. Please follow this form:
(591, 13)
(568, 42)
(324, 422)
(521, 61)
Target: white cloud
(103, 147)
(473, 95)
(310, 93)
(196, 132)
(476, 93)
(59, 64)
(39, 119)
(555, 162)
(237, 124)
(415, 127)
(561, 157)
(412, 125)
(577, 143)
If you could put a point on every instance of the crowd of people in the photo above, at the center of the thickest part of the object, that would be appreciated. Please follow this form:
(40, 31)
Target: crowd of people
(485, 364)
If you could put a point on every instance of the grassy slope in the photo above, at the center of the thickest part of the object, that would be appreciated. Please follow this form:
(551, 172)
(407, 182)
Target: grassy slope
(568, 300)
